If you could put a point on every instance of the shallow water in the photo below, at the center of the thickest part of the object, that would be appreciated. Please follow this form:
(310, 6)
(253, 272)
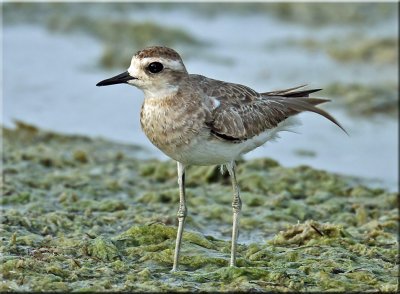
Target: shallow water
(50, 81)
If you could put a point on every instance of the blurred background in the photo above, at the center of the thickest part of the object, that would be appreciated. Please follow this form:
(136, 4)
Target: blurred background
(55, 53)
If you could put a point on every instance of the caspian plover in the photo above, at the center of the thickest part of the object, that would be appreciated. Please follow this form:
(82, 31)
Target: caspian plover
(201, 121)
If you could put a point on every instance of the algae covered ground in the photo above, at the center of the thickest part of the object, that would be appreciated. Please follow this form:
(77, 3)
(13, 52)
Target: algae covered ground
(81, 214)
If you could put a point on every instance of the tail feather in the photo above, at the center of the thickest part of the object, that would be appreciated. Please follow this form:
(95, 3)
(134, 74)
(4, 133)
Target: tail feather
(289, 93)
(308, 104)
(278, 92)
(299, 101)
(304, 93)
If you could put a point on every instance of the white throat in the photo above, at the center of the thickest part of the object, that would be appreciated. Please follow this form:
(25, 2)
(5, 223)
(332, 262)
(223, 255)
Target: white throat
(160, 92)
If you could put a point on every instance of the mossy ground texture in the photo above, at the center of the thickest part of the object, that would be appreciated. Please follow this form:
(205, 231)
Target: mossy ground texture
(82, 214)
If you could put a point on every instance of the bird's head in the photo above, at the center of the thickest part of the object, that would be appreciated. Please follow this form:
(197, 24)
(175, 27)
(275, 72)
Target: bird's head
(155, 70)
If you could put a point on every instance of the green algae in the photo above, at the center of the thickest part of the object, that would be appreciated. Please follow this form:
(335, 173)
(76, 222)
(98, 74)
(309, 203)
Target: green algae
(96, 217)
(122, 38)
(358, 99)
(305, 153)
(310, 14)
(366, 100)
(378, 51)
(103, 249)
(120, 35)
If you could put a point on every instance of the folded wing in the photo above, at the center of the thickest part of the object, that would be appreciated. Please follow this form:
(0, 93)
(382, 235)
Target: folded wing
(243, 113)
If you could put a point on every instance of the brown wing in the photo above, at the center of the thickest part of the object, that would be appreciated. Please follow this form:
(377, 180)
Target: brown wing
(244, 113)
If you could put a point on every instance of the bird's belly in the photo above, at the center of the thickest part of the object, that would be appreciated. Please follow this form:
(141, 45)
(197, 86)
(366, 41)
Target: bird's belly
(213, 151)
(208, 150)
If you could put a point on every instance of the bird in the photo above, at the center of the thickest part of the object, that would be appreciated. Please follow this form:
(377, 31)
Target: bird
(197, 120)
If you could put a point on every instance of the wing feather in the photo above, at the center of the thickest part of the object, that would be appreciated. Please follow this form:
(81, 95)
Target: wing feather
(244, 113)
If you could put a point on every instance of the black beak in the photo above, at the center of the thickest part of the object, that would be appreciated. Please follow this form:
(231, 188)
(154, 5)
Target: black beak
(119, 79)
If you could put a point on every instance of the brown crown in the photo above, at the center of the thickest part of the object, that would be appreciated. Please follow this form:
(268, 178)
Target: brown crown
(158, 51)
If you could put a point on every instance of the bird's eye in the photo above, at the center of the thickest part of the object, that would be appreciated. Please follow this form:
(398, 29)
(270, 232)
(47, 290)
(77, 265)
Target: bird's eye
(155, 67)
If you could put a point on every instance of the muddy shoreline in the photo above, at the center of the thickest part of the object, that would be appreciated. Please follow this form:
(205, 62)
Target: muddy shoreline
(90, 215)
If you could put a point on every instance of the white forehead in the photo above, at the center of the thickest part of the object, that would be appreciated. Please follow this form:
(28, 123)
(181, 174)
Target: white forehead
(139, 63)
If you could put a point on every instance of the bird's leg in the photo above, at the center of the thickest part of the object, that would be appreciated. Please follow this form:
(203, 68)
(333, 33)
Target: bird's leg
(182, 212)
(237, 206)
